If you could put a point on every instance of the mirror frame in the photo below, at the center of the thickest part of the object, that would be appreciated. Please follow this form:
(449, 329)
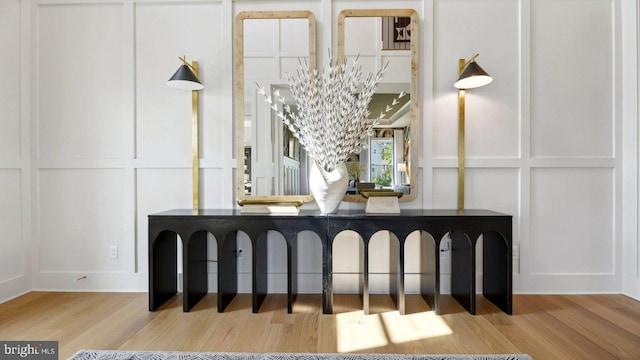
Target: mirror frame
(239, 98)
(410, 155)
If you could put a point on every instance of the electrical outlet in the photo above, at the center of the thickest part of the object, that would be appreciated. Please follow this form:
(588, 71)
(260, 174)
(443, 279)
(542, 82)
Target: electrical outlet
(113, 252)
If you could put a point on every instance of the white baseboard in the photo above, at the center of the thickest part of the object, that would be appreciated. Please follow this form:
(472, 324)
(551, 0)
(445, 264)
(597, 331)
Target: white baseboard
(100, 282)
(13, 288)
(308, 283)
(632, 295)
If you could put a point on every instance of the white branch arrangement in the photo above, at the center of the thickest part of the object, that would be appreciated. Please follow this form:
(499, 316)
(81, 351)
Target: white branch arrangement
(331, 121)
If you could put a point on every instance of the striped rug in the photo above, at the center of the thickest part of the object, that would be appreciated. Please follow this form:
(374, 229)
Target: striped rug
(171, 355)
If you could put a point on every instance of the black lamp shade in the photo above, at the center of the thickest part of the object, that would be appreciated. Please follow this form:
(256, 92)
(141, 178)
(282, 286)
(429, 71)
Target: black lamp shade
(473, 76)
(185, 79)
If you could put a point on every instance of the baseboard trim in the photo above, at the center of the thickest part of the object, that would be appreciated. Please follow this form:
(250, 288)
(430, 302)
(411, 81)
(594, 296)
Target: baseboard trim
(13, 288)
(88, 281)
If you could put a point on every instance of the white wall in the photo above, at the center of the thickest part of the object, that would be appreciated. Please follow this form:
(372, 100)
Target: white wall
(15, 242)
(630, 42)
(94, 141)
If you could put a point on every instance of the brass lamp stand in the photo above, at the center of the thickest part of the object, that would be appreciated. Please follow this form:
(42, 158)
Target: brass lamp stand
(186, 78)
(471, 76)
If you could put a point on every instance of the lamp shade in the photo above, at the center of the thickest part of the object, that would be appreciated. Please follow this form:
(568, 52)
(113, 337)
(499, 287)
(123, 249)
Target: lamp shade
(185, 79)
(472, 77)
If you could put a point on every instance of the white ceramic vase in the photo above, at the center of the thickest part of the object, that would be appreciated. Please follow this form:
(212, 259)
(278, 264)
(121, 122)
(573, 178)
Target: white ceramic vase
(328, 188)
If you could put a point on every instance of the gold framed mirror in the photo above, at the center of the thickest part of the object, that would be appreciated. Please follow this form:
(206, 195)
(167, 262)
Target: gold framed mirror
(377, 37)
(271, 166)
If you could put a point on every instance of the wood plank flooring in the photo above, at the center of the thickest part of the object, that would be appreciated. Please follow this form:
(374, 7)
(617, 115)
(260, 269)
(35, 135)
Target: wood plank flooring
(546, 327)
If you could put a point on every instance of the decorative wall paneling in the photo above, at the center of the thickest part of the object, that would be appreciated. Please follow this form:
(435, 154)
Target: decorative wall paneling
(81, 117)
(535, 135)
(630, 98)
(575, 171)
(93, 141)
(15, 269)
(94, 152)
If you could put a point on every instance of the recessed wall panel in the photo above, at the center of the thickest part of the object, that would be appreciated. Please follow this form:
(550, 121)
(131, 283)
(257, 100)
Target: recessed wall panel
(81, 215)
(163, 33)
(465, 27)
(292, 39)
(572, 77)
(369, 64)
(362, 35)
(213, 192)
(9, 65)
(260, 36)
(291, 65)
(80, 76)
(572, 221)
(398, 69)
(496, 189)
(445, 188)
(11, 242)
(259, 68)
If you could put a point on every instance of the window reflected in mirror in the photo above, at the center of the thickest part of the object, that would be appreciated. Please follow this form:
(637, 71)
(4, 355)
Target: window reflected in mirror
(271, 164)
(383, 164)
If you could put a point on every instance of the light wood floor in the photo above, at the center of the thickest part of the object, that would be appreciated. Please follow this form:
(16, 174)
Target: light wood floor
(546, 327)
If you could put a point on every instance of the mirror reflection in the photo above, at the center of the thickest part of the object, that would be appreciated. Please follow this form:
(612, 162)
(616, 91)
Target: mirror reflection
(380, 165)
(272, 165)
(378, 37)
(278, 165)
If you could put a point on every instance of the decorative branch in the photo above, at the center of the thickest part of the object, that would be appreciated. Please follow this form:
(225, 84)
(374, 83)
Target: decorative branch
(332, 115)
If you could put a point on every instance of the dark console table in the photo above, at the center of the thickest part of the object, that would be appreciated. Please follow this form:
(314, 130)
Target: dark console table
(464, 229)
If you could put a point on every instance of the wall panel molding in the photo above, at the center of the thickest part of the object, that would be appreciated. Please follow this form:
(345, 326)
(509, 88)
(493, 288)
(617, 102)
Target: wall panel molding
(83, 118)
(11, 134)
(94, 281)
(531, 134)
(163, 114)
(80, 218)
(13, 254)
(629, 13)
(15, 275)
(573, 221)
(573, 115)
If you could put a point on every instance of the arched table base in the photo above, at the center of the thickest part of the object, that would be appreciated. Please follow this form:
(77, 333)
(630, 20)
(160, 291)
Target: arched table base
(463, 227)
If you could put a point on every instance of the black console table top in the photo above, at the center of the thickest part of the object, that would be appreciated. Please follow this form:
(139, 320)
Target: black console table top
(339, 214)
(463, 228)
